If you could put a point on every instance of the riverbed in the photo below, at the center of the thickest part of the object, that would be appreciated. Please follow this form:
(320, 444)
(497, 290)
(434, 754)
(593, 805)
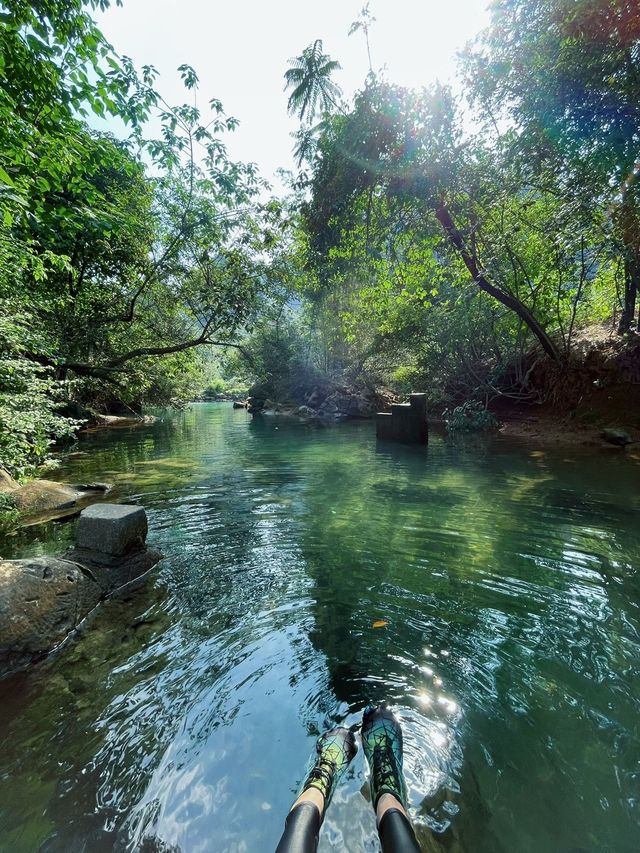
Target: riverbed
(487, 590)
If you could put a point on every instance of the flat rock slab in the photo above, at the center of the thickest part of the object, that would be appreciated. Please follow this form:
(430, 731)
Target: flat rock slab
(116, 421)
(45, 500)
(112, 529)
(44, 495)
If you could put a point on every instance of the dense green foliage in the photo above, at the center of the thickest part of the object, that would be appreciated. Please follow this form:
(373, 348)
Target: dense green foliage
(118, 259)
(469, 417)
(566, 75)
(452, 242)
(429, 240)
(28, 402)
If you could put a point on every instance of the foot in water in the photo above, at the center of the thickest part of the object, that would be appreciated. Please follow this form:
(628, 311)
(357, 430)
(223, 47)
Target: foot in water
(382, 742)
(335, 750)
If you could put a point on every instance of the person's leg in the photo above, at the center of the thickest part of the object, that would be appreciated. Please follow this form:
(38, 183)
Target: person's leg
(382, 742)
(334, 751)
(395, 832)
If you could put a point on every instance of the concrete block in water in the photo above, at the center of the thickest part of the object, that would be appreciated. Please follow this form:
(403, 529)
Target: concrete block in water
(406, 422)
(112, 529)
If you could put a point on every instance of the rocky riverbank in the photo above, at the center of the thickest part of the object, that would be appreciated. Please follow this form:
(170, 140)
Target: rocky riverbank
(584, 402)
(326, 403)
(40, 500)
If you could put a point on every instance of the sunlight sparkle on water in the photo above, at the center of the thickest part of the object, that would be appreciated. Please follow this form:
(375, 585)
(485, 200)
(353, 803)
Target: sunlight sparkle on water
(261, 610)
(439, 740)
(448, 704)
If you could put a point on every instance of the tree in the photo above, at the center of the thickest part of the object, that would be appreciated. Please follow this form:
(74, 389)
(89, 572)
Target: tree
(309, 79)
(159, 266)
(566, 75)
(106, 264)
(363, 23)
(409, 146)
(30, 398)
(56, 66)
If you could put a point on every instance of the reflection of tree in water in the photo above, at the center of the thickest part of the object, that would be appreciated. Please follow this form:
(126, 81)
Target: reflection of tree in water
(455, 559)
(381, 541)
(277, 531)
(364, 547)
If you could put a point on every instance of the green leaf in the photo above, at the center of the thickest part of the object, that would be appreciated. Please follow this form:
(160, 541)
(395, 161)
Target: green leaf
(5, 178)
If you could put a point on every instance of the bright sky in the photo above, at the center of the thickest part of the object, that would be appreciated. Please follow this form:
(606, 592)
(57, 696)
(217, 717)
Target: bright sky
(240, 48)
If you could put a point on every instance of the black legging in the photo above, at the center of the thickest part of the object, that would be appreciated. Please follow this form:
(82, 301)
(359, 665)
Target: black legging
(302, 828)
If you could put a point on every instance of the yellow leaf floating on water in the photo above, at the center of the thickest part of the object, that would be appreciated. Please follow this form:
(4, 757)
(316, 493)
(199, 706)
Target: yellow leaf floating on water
(379, 623)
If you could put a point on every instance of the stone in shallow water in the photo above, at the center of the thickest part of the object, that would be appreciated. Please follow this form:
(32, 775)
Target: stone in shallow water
(618, 437)
(42, 600)
(113, 529)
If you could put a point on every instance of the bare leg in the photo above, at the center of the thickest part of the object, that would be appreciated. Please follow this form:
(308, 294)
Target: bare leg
(311, 795)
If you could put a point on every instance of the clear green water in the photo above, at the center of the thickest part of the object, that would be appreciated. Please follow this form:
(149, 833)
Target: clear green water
(185, 715)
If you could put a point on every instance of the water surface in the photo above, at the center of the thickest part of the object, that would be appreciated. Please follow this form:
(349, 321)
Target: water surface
(183, 718)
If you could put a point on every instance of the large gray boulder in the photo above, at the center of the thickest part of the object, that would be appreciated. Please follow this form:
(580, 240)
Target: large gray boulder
(43, 600)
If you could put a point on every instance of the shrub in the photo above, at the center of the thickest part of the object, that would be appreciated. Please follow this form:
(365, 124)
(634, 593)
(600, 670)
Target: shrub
(9, 514)
(470, 416)
(29, 421)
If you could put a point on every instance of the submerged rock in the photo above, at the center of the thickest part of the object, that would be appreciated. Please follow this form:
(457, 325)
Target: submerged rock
(616, 436)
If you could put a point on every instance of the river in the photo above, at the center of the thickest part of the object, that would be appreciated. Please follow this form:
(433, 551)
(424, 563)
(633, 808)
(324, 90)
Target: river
(182, 719)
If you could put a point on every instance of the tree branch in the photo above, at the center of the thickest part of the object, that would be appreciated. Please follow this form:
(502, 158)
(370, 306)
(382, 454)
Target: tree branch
(444, 218)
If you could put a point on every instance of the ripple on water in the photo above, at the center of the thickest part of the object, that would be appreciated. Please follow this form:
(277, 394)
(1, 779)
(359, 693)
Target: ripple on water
(505, 591)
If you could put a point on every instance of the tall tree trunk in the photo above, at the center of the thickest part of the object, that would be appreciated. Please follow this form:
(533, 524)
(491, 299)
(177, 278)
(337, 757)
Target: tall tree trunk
(455, 237)
(627, 220)
(631, 286)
